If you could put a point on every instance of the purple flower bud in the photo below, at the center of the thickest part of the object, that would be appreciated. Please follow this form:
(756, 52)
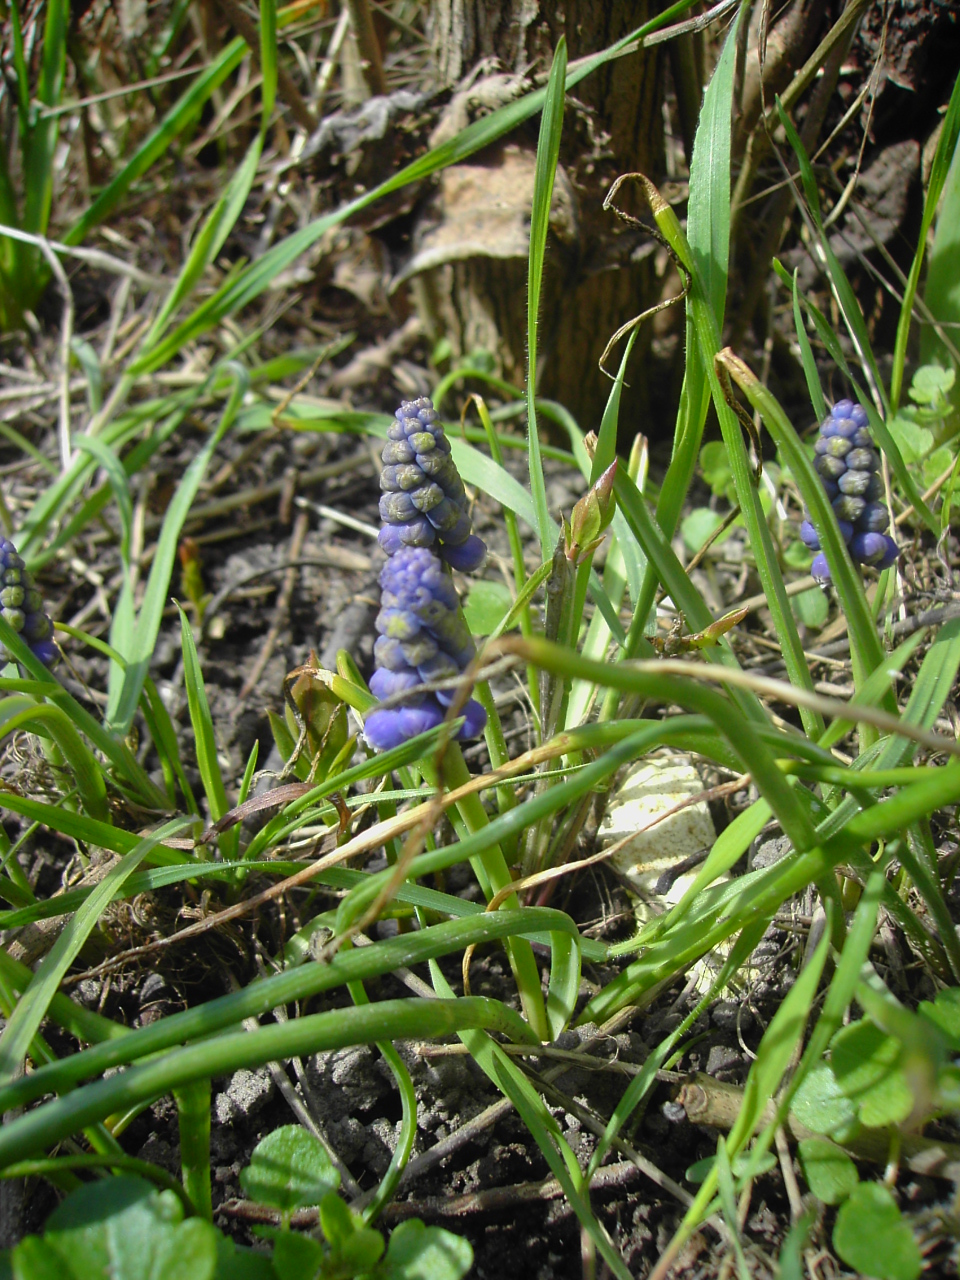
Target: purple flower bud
(820, 569)
(862, 460)
(874, 518)
(808, 536)
(843, 409)
(848, 507)
(468, 557)
(855, 482)
(21, 607)
(830, 468)
(891, 556)
(868, 548)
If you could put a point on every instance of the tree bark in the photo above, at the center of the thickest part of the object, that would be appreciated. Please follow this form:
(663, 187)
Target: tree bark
(597, 273)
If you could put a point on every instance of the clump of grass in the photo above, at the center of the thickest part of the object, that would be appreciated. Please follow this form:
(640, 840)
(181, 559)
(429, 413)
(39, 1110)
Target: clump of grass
(858, 824)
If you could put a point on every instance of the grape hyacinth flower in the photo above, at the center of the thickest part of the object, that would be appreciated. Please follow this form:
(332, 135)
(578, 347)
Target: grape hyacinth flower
(424, 503)
(423, 636)
(21, 605)
(849, 468)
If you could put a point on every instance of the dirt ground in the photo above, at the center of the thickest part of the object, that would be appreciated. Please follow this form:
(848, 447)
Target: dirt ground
(288, 575)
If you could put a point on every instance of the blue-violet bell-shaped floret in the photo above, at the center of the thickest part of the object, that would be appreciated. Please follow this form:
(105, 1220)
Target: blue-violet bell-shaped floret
(849, 465)
(21, 605)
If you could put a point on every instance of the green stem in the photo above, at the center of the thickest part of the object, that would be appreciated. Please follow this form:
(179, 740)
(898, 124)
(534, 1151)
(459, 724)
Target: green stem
(491, 870)
(193, 1113)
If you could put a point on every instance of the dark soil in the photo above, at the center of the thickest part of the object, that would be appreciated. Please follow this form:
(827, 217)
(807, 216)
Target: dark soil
(492, 1187)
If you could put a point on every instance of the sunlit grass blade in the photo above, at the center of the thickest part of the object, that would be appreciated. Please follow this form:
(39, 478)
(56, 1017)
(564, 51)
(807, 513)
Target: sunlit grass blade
(204, 737)
(548, 151)
(857, 329)
(139, 646)
(865, 647)
(297, 983)
(541, 1124)
(258, 275)
(942, 159)
(313, 1033)
(810, 371)
(32, 1006)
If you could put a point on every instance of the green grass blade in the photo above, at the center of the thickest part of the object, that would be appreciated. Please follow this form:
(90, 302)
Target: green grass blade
(297, 983)
(193, 1121)
(548, 152)
(121, 709)
(205, 739)
(128, 771)
(839, 283)
(541, 1124)
(180, 116)
(41, 137)
(941, 293)
(943, 157)
(708, 210)
(268, 61)
(316, 1033)
(119, 485)
(865, 647)
(50, 722)
(32, 1006)
(807, 357)
(210, 239)
(258, 275)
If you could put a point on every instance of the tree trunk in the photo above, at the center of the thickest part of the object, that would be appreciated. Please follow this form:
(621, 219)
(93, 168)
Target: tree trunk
(468, 267)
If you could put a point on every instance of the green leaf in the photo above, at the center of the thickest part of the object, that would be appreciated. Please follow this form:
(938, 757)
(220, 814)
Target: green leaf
(548, 151)
(123, 1228)
(289, 1170)
(944, 1012)
(486, 605)
(913, 441)
(417, 1252)
(296, 1257)
(235, 1263)
(715, 465)
(830, 1173)
(812, 607)
(871, 1236)
(931, 384)
(697, 527)
(866, 1062)
(821, 1105)
(700, 1169)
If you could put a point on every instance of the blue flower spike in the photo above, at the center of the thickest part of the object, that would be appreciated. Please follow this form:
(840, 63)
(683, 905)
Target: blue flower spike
(426, 533)
(849, 468)
(21, 605)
